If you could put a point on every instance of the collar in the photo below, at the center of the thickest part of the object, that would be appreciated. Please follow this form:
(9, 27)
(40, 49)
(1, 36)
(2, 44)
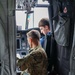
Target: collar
(49, 33)
(34, 48)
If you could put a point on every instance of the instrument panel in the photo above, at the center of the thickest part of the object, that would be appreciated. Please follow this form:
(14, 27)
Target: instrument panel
(22, 44)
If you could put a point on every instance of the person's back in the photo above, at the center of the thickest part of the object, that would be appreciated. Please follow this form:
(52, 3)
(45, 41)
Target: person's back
(36, 61)
(39, 64)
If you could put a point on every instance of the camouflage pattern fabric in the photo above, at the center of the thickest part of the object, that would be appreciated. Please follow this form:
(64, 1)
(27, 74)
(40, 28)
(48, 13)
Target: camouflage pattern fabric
(35, 62)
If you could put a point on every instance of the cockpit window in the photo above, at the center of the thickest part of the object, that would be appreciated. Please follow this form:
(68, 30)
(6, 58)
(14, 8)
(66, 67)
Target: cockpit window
(26, 18)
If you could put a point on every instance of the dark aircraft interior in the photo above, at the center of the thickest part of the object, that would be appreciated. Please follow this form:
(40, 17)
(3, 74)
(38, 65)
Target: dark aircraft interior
(14, 42)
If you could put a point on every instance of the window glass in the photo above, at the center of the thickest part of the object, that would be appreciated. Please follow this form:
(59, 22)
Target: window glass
(20, 19)
(23, 22)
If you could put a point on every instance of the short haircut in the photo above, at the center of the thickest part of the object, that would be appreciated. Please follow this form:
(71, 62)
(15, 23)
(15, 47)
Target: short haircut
(34, 34)
(44, 22)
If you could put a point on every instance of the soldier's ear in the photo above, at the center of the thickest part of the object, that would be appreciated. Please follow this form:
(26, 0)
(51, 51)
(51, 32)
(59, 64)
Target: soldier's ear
(31, 39)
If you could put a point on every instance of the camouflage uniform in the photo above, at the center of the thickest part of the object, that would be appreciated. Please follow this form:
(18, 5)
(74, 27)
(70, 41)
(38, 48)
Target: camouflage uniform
(35, 62)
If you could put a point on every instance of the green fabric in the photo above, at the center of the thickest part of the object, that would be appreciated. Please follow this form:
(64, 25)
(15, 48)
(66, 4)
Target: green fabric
(7, 37)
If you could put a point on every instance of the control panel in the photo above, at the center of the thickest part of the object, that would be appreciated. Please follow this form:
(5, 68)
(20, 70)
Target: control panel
(22, 44)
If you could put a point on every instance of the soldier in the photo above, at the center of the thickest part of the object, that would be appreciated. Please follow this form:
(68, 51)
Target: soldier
(35, 63)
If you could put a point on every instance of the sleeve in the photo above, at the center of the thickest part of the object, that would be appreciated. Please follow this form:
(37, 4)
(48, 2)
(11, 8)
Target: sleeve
(25, 62)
